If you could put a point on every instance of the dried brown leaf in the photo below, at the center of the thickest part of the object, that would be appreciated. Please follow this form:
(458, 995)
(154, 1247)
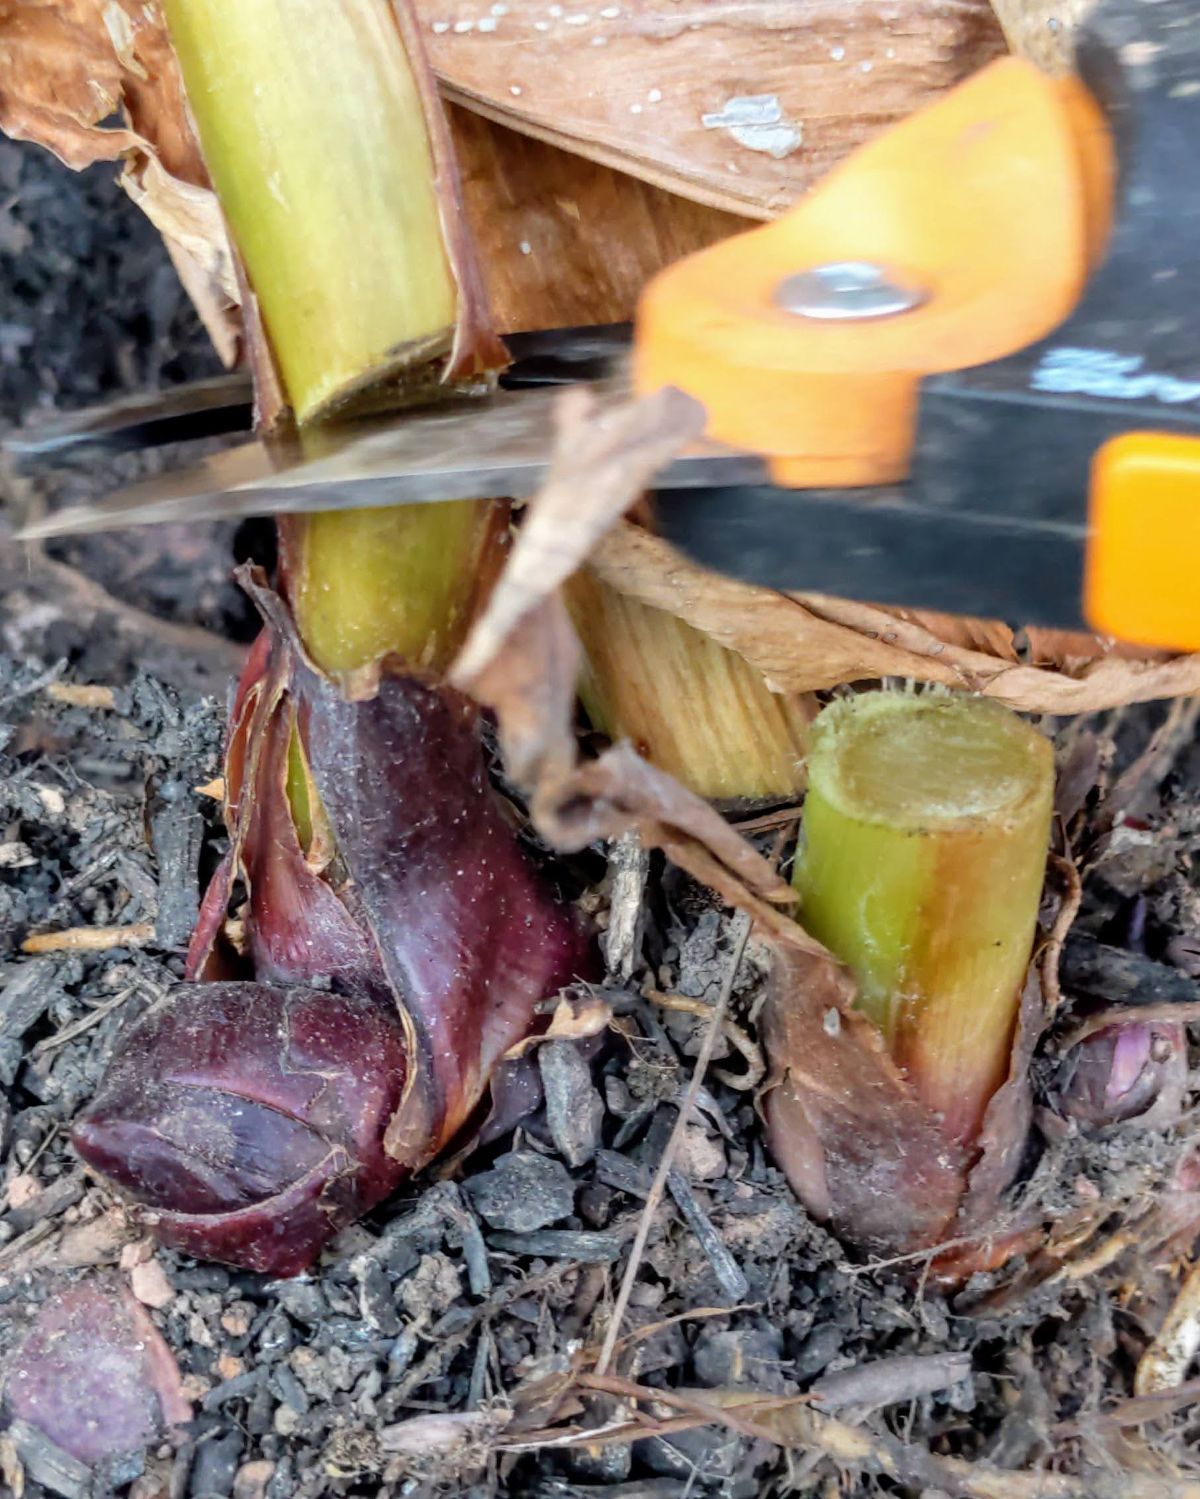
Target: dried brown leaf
(809, 642)
(858, 1147)
(602, 462)
(522, 660)
(68, 67)
(738, 105)
(574, 1019)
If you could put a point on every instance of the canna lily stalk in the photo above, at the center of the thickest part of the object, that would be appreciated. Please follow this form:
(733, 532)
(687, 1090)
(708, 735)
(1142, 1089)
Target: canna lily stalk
(369, 855)
(920, 868)
(925, 833)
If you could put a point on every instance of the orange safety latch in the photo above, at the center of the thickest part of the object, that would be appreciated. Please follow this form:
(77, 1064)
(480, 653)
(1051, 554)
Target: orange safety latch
(959, 236)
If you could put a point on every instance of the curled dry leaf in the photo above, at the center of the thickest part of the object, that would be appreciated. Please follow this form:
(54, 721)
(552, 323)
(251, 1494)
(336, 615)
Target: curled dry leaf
(810, 642)
(857, 1146)
(65, 69)
(738, 105)
(94, 1374)
(522, 660)
(574, 1019)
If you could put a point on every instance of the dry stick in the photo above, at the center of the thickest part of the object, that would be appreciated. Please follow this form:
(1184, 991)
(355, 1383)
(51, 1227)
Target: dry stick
(743, 924)
(91, 938)
(789, 1423)
(1051, 954)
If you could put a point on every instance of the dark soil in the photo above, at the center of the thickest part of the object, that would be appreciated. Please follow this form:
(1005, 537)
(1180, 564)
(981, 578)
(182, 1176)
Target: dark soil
(482, 1294)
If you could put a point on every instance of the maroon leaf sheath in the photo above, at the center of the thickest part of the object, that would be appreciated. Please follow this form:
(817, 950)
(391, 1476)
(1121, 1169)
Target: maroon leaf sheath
(256, 1119)
(250, 1120)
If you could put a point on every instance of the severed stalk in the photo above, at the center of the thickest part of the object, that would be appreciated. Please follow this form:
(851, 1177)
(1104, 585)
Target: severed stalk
(925, 833)
(330, 158)
(689, 705)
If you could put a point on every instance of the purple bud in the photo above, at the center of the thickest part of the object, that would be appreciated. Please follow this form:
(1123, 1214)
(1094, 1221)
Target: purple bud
(249, 1122)
(1124, 1071)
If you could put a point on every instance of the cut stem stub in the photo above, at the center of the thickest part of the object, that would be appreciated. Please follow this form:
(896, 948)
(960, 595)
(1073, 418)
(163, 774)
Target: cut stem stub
(924, 844)
(690, 705)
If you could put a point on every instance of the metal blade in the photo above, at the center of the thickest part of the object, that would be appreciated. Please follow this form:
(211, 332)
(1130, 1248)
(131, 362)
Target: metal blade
(464, 449)
(203, 408)
(223, 405)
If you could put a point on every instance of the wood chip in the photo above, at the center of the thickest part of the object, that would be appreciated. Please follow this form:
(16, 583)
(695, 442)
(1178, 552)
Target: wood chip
(1165, 1363)
(90, 938)
(150, 1285)
(81, 695)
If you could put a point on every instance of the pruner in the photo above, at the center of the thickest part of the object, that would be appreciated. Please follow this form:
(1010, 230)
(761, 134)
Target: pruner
(962, 374)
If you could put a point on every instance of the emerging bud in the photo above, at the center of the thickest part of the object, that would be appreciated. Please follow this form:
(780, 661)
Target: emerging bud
(250, 1121)
(1125, 1072)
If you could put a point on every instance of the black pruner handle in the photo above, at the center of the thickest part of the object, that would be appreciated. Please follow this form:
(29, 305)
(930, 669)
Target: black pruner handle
(1096, 429)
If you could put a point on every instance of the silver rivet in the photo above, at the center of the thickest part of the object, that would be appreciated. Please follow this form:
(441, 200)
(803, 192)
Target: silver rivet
(845, 290)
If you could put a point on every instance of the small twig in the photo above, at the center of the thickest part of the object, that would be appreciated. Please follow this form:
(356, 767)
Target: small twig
(1051, 954)
(695, 1405)
(1134, 1412)
(693, 1314)
(1166, 1361)
(756, 1068)
(84, 1023)
(742, 925)
(90, 938)
(791, 1423)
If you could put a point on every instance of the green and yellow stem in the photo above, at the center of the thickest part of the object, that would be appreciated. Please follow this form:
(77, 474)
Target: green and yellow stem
(401, 581)
(689, 705)
(924, 843)
(313, 129)
(319, 130)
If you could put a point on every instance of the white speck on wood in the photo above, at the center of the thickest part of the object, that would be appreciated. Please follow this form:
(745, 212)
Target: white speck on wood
(439, 27)
(526, 247)
(515, 90)
(486, 23)
(837, 53)
(757, 122)
(654, 96)
(462, 27)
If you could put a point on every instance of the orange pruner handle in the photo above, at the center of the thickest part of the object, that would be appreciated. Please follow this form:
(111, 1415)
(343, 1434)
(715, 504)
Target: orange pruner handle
(984, 213)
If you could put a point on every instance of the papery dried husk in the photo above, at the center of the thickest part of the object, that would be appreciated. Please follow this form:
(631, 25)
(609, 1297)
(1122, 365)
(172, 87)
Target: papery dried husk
(66, 68)
(742, 106)
(811, 642)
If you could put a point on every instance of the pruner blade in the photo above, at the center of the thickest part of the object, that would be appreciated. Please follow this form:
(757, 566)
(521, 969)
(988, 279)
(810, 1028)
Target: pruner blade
(465, 448)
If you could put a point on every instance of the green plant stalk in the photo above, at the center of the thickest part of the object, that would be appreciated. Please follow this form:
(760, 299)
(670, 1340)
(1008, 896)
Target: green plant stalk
(320, 140)
(923, 851)
(313, 129)
(689, 705)
(401, 581)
